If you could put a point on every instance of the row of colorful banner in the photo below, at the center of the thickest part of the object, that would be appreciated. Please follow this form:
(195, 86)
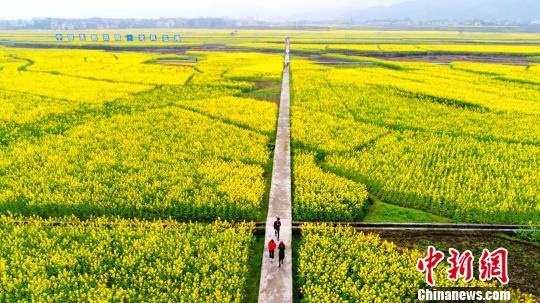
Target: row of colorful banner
(118, 37)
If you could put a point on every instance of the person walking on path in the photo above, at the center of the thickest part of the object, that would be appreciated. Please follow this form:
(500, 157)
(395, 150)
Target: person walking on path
(281, 249)
(271, 248)
(277, 226)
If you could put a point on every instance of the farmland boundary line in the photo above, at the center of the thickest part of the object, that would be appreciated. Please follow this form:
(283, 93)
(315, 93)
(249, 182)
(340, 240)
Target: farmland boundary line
(428, 227)
(297, 225)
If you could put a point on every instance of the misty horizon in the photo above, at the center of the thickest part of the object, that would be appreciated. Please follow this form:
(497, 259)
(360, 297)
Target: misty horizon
(62, 14)
(239, 9)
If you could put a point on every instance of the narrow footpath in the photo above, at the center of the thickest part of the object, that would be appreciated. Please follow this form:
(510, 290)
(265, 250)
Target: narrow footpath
(276, 282)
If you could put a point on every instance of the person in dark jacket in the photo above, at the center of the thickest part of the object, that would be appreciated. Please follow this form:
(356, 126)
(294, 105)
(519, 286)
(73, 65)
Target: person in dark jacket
(281, 249)
(277, 226)
(271, 248)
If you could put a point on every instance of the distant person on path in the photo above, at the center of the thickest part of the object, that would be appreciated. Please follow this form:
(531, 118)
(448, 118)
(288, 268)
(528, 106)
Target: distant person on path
(271, 248)
(281, 249)
(277, 226)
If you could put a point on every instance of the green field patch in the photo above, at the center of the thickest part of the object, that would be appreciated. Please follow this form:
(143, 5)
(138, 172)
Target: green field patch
(441, 100)
(384, 212)
(264, 91)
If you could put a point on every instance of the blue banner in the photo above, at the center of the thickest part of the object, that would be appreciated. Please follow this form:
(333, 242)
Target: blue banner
(118, 37)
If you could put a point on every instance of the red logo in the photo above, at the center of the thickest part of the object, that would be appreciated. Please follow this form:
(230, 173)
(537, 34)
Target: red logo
(460, 265)
(494, 265)
(429, 263)
(491, 265)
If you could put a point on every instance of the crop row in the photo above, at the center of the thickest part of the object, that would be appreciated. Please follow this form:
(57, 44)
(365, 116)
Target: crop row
(122, 261)
(192, 150)
(337, 46)
(420, 135)
(461, 178)
(321, 196)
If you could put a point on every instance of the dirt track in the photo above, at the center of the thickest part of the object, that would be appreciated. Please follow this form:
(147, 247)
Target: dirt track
(446, 59)
(142, 48)
(438, 58)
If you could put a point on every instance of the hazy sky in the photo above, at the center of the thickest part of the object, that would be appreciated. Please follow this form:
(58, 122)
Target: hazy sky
(263, 9)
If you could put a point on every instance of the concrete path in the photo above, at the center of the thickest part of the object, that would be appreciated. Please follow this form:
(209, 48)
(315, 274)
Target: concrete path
(276, 282)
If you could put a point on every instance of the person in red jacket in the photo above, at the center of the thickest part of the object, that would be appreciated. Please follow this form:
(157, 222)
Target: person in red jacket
(271, 248)
(281, 249)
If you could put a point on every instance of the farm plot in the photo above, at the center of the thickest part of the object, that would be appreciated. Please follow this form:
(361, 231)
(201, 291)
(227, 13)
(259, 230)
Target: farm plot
(453, 142)
(409, 48)
(15, 76)
(172, 141)
(121, 67)
(121, 260)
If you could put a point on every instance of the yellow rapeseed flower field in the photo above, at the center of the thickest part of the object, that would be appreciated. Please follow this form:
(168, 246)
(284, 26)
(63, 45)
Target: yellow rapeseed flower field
(121, 260)
(460, 141)
(89, 132)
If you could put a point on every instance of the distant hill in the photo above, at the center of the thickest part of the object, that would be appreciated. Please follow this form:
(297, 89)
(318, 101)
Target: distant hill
(459, 10)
